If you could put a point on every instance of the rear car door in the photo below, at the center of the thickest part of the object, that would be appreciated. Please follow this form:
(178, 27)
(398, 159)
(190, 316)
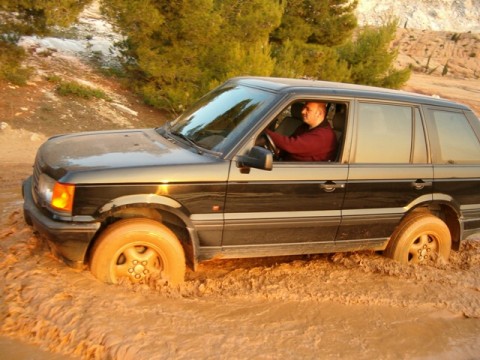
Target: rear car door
(389, 172)
(455, 141)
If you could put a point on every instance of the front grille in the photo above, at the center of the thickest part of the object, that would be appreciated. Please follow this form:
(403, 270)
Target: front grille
(37, 171)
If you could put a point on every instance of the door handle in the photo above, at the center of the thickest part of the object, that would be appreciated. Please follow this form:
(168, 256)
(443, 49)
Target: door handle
(419, 184)
(330, 186)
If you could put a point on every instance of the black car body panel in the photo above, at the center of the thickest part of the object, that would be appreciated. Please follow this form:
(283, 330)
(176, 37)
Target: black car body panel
(100, 156)
(190, 174)
(68, 240)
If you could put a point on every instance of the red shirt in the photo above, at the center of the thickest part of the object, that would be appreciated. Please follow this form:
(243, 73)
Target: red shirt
(317, 144)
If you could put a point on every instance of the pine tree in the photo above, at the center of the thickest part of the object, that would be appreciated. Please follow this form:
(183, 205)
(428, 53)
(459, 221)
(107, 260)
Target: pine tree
(27, 17)
(303, 45)
(176, 50)
(371, 61)
(323, 22)
(188, 47)
(164, 45)
(244, 32)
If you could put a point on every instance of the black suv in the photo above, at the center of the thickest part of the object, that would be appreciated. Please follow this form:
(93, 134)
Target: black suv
(406, 181)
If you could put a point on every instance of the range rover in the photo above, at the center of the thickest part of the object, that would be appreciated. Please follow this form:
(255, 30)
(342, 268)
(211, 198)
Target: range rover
(130, 203)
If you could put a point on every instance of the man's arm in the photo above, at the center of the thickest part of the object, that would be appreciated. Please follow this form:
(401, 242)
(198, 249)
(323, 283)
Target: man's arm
(314, 145)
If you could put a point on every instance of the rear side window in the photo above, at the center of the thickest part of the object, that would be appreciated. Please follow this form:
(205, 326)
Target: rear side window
(387, 134)
(457, 143)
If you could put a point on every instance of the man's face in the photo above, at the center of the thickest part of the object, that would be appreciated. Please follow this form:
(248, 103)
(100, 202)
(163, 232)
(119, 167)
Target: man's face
(313, 114)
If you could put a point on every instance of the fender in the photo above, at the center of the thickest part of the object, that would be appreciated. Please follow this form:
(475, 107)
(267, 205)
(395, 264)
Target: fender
(440, 198)
(436, 198)
(419, 201)
(139, 199)
(452, 211)
(161, 203)
(467, 216)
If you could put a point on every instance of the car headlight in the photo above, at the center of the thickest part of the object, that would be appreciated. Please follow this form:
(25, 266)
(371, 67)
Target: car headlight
(45, 188)
(57, 195)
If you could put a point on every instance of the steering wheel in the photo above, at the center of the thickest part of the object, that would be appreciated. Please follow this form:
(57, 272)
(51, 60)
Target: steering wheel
(270, 145)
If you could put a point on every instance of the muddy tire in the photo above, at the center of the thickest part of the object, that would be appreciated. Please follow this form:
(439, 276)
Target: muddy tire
(135, 249)
(420, 239)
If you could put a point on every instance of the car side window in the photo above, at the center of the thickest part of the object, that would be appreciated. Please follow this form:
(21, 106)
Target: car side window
(457, 143)
(384, 135)
(290, 123)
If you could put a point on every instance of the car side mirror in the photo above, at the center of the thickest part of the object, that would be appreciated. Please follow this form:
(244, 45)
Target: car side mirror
(258, 158)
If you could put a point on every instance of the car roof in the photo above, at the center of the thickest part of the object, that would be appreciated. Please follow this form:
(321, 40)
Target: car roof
(307, 87)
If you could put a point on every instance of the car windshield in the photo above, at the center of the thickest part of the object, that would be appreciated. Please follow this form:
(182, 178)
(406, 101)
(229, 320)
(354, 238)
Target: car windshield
(220, 117)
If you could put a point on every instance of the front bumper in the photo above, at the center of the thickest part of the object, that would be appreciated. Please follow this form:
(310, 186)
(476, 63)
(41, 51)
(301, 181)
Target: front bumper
(68, 240)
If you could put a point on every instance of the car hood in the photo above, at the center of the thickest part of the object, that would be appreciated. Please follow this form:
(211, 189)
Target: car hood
(112, 150)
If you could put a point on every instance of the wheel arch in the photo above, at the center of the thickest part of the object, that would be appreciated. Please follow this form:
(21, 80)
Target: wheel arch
(159, 208)
(445, 208)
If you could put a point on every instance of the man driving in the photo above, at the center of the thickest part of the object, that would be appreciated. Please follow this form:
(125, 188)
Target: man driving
(314, 140)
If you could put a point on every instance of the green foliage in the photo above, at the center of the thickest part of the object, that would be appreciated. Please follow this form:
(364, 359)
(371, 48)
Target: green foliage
(324, 63)
(371, 61)
(11, 57)
(322, 22)
(289, 61)
(28, 17)
(244, 31)
(175, 51)
(54, 79)
(313, 41)
(297, 59)
(66, 88)
(204, 43)
(208, 41)
(305, 42)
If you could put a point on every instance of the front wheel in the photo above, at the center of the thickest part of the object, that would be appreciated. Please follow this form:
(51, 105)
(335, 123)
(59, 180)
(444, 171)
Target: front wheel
(135, 249)
(420, 239)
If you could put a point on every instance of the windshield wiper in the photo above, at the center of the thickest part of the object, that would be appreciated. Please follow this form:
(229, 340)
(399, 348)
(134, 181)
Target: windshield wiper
(165, 131)
(197, 147)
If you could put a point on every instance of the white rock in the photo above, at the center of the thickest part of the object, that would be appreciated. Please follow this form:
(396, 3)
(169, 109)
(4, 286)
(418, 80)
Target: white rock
(125, 109)
(35, 137)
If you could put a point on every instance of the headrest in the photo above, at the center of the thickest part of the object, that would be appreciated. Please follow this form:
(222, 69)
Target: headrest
(296, 110)
(338, 121)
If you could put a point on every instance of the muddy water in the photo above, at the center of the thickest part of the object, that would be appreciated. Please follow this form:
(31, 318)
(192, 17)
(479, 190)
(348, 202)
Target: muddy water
(356, 305)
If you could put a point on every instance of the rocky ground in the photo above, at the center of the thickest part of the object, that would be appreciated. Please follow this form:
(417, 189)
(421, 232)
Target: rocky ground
(356, 305)
(431, 53)
(436, 15)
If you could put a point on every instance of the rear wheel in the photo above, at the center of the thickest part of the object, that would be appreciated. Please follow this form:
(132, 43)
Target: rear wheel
(421, 238)
(135, 249)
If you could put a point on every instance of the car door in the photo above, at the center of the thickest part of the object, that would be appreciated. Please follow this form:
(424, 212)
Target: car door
(293, 209)
(389, 173)
(456, 160)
